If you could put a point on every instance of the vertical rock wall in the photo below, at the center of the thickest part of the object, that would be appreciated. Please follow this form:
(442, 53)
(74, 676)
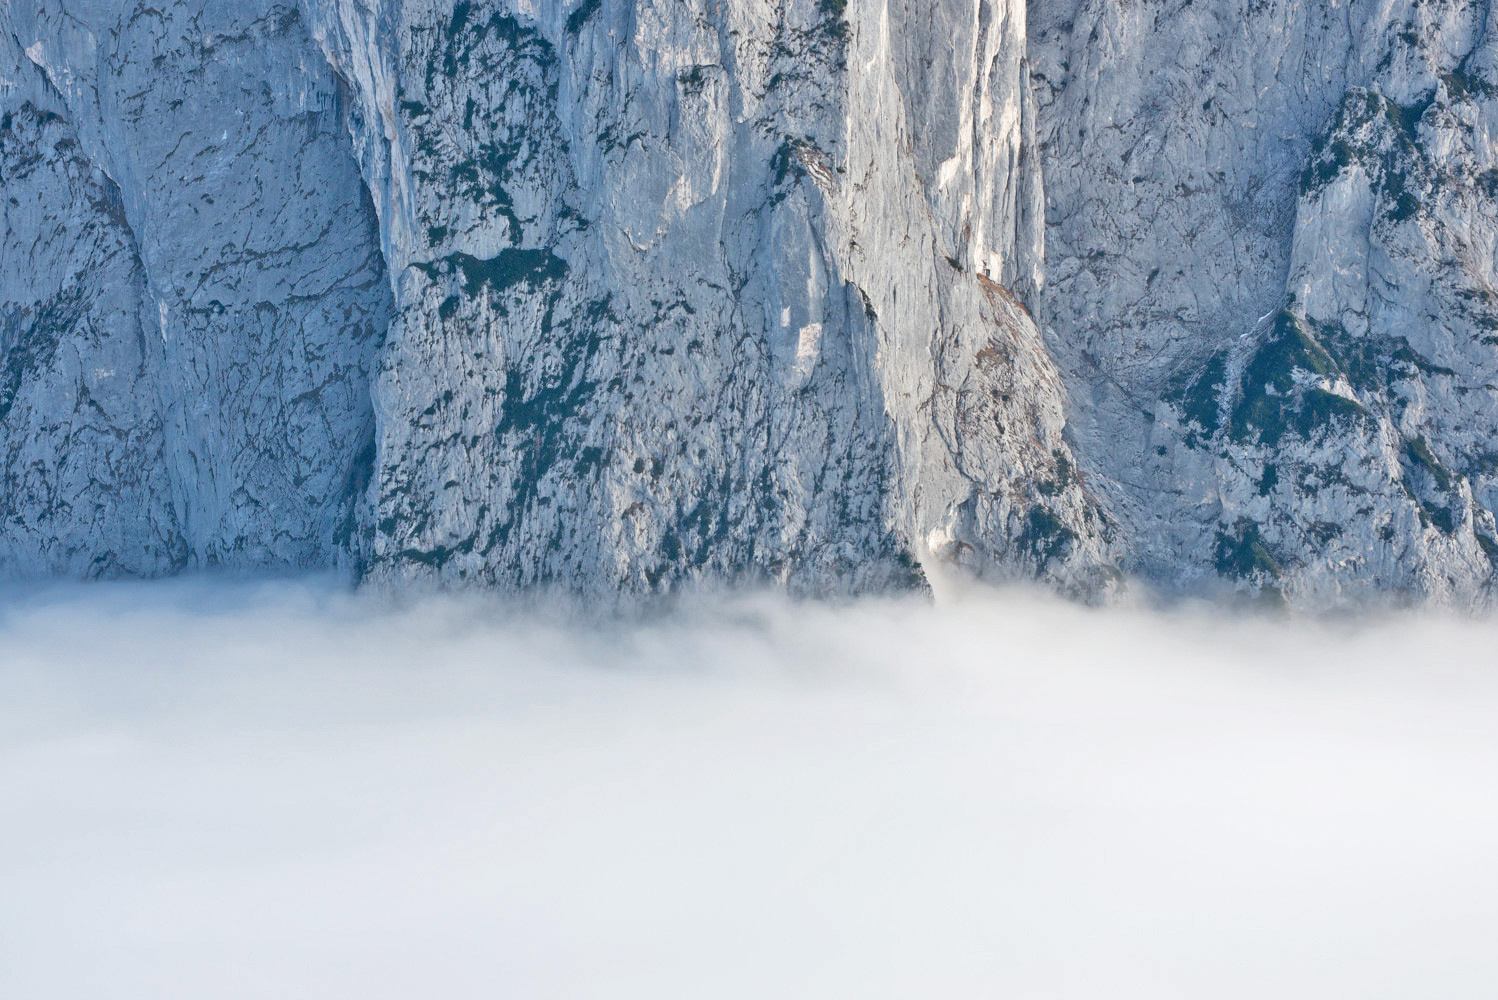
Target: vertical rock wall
(619, 295)
(1270, 283)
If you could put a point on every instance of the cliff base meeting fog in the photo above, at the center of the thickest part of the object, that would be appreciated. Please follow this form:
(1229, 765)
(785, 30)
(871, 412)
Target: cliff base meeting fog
(281, 790)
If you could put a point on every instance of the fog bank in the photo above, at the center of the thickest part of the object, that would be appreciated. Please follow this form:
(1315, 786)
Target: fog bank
(278, 790)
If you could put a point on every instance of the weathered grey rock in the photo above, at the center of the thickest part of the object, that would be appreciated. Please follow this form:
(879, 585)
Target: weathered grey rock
(82, 475)
(616, 295)
(1270, 274)
(245, 302)
(683, 294)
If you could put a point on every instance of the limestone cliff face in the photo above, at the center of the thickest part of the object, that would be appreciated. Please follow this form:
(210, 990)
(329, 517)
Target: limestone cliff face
(1270, 262)
(192, 294)
(617, 295)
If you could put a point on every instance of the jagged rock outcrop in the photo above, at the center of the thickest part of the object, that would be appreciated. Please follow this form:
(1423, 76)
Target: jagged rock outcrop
(668, 291)
(1270, 282)
(682, 293)
(616, 295)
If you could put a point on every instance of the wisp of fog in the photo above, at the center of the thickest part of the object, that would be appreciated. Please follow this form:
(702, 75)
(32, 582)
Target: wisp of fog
(280, 790)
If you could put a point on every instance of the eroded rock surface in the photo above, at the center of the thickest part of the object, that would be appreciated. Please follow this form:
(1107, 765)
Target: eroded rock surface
(1271, 230)
(618, 295)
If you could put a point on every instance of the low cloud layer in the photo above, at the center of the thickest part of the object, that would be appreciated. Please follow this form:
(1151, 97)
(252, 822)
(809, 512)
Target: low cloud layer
(282, 791)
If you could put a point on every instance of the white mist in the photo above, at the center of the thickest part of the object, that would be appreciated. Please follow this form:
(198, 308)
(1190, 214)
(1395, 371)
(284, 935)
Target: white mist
(282, 792)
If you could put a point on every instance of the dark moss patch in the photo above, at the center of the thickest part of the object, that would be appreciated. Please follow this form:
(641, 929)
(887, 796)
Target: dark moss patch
(1272, 403)
(1325, 532)
(1269, 480)
(1064, 479)
(1406, 118)
(834, 18)
(693, 81)
(1461, 84)
(463, 35)
(1442, 518)
(459, 20)
(1417, 452)
(1320, 409)
(588, 462)
(1196, 393)
(1045, 535)
(506, 270)
(1428, 483)
(435, 557)
(1066, 473)
(1326, 165)
(906, 572)
(1242, 555)
(582, 15)
(1489, 547)
(786, 169)
(1373, 364)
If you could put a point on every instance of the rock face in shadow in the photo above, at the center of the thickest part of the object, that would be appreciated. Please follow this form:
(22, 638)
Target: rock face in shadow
(615, 296)
(193, 294)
